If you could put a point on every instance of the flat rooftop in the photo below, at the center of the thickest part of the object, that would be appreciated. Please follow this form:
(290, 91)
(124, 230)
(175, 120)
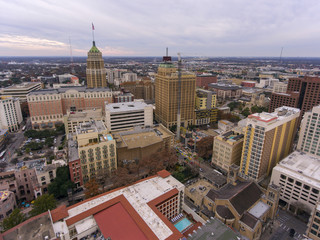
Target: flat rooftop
(72, 149)
(125, 107)
(302, 166)
(279, 114)
(223, 86)
(213, 230)
(22, 86)
(231, 136)
(141, 136)
(65, 89)
(85, 114)
(259, 209)
(94, 126)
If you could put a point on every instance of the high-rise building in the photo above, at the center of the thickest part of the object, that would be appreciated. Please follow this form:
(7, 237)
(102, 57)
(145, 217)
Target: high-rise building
(268, 139)
(10, 114)
(96, 73)
(309, 132)
(302, 93)
(166, 95)
(313, 231)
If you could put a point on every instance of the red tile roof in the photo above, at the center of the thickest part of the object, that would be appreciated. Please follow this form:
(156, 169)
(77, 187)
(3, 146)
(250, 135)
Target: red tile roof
(59, 213)
(163, 173)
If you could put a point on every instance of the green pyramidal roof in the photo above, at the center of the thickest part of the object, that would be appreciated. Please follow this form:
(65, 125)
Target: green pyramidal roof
(94, 49)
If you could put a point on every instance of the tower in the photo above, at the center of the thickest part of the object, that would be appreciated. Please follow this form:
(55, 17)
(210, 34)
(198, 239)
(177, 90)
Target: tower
(96, 73)
(166, 95)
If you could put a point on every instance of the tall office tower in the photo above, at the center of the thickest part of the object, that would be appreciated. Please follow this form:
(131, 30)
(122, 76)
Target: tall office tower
(10, 114)
(166, 95)
(310, 131)
(96, 73)
(268, 139)
(302, 93)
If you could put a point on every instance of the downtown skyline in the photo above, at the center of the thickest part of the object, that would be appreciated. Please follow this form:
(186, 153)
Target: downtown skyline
(145, 28)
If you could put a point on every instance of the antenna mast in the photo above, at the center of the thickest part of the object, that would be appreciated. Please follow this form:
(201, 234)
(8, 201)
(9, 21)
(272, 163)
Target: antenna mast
(179, 98)
(281, 55)
(71, 58)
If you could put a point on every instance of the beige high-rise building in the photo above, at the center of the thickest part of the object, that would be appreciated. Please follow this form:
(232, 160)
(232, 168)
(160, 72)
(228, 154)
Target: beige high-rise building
(166, 95)
(96, 73)
(268, 139)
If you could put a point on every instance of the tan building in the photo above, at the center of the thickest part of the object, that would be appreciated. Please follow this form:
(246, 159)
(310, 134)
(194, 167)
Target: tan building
(268, 139)
(95, 148)
(313, 231)
(48, 106)
(10, 114)
(75, 118)
(7, 203)
(46, 175)
(244, 205)
(141, 89)
(20, 90)
(139, 142)
(166, 97)
(227, 149)
(96, 72)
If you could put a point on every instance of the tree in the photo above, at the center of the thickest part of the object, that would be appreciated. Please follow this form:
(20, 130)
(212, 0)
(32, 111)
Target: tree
(204, 147)
(43, 203)
(169, 158)
(15, 218)
(246, 112)
(92, 188)
(60, 185)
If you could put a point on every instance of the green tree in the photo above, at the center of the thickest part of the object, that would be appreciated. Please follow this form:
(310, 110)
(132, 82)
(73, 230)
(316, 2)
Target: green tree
(15, 218)
(246, 112)
(43, 203)
(60, 185)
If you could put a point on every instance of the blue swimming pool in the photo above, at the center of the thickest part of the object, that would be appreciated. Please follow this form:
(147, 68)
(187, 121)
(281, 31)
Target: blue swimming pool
(109, 137)
(182, 224)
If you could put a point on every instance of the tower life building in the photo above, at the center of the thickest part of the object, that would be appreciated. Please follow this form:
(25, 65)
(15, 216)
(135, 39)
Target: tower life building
(309, 132)
(166, 95)
(268, 139)
(96, 73)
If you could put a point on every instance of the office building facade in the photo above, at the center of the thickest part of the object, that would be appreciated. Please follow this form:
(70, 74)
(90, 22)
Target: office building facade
(96, 72)
(166, 96)
(10, 114)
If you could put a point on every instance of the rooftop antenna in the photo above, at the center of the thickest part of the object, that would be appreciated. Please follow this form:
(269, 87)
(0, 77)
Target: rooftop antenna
(71, 58)
(93, 35)
(179, 98)
(281, 55)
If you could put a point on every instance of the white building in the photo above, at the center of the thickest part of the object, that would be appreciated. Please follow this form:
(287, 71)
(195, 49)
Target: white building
(310, 132)
(10, 114)
(120, 116)
(279, 87)
(225, 125)
(130, 77)
(20, 90)
(299, 177)
(141, 211)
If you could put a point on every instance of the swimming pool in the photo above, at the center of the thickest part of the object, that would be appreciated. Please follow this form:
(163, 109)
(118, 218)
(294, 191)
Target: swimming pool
(182, 224)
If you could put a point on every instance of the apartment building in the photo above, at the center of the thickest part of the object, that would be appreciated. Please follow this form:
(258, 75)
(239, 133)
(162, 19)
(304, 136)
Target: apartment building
(227, 149)
(298, 175)
(120, 116)
(48, 106)
(144, 89)
(280, 87)
(310, 132)
(95, 148)
(226, 91)
(205, 99)
(166, 95)
(10, 114)
(268, 139)
(313, 231)
(7, 203)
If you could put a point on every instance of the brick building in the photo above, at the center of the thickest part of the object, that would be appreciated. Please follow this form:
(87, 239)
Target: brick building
(302, 93)
(203, 80)
(48, 106)
(140, 89)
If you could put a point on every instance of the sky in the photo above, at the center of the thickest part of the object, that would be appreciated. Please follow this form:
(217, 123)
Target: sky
(202, 28)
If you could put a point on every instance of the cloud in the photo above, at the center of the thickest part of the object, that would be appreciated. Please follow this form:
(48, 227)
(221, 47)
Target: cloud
(146, 27)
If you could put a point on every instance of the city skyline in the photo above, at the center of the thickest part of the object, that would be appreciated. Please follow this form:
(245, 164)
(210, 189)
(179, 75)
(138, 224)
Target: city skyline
(145, 28)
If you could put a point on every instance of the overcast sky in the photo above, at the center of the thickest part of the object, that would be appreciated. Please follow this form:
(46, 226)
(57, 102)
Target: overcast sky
(146, 27)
